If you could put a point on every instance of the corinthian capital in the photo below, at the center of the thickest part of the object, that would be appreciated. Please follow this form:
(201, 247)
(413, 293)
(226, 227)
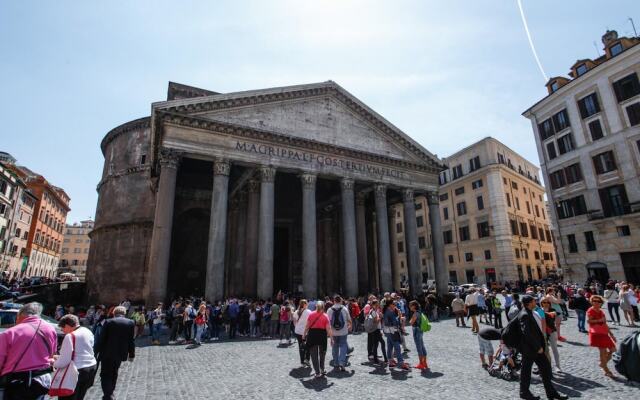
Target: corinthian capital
(381, 191)
(308, 181)
(221, 166)
(407, 194)
(347, 183)
(169, 158)
(361, 198)
(253, 186)
(267, 173)
(433, 198)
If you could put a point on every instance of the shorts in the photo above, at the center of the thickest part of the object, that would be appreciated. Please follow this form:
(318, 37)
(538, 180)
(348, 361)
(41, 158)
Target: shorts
(473, 310)
(486, 347)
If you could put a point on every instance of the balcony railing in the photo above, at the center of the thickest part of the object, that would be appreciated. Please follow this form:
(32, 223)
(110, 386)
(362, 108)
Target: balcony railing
(625, 209)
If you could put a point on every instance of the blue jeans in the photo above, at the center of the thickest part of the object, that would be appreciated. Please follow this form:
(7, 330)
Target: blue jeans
(156, 331)
(199, 330)
(419, 341)
(393, 346)
(339, 351)
(581, 319)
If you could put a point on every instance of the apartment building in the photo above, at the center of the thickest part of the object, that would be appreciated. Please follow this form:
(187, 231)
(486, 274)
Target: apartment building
(587, 132)
(75, 248)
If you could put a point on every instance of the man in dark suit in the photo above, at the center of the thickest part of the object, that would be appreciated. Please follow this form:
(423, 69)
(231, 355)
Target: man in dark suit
(532, 346)
(115, 345)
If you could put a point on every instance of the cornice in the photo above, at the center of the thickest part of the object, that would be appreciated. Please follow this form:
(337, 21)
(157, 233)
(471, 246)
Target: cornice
(129, 171)
(145, 224)
(214, 104)
(136, 124)
(255, 133)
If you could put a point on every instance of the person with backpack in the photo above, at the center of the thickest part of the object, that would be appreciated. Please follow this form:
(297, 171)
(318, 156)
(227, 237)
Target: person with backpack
(285, 322)
(419, 324)
(157, 319)
(188, 316)
(300, 318)
(340, 326)
(580, 304)
(373, 327)
(391, 329)
(532, 345)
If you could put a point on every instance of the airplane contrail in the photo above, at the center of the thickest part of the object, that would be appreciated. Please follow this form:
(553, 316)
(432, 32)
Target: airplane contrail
(533, 48)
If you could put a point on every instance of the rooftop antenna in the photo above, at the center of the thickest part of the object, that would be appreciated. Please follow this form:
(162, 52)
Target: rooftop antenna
(597, 49)
(634, 27)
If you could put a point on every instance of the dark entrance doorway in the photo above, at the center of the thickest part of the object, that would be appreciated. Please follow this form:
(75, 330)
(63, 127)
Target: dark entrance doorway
(598, 271)
(471, 274)
(631, 265)
(281, 259)
(490, 275)
(189, 253)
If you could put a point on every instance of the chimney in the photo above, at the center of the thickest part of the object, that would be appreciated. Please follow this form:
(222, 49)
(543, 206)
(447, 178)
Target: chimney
(609, 37)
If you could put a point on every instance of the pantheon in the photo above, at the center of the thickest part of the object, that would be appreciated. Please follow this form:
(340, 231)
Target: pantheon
(255, 192)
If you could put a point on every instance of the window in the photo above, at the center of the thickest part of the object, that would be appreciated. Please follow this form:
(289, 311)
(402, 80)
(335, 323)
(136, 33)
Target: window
(534, 232)
(561, 121)
(541, 233)
(474, 163)
(537, 211)
(514, 227)
(591, 243)
(525, 253)
(528, 207)
(633, 112)
(508, 200)
(483, 229)
(476, 184)
(604, 162)
(517, 253)
(614, 200)
(462, 208)
(514, 185)
(573, 173)
(464, 233)
(545, 129)
(451, 260)
(551, 151)
(554, 86)
(626, 87)
(480, 202)
(595, 129)
(400, 247)
(557, 179)
(419, 221)
(547, 234)
(571, 207)
(459, 191)
(536, 255)
(565, 144)
(444, 197)
(623, 230)
(517, 202)
(418, 206)
(457, 171)
(546, 256)
(500, 158)
(573, 245)
(589, 105)
(143, 159)
(447, 236)
(445, 212)
(582, 68)
(504, 180)
(524, 231)
(487, 254)
(468, 257)
(422, 243)
(616, 49)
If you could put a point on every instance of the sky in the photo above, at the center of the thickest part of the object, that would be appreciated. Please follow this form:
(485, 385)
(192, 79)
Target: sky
(448, 73)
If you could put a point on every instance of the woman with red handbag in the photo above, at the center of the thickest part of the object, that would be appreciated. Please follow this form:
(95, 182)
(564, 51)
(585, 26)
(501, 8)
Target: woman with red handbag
(599, 334)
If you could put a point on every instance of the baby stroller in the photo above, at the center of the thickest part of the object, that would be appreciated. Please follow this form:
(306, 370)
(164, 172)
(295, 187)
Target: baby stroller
(500, 367)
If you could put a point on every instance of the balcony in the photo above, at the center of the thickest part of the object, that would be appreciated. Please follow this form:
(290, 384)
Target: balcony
(624, 209)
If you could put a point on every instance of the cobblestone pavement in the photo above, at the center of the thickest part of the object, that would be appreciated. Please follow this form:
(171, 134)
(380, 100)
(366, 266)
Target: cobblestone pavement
(260, 369)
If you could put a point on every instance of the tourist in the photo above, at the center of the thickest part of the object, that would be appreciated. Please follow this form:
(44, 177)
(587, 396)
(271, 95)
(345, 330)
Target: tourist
(581, 305)
(391, 329)
(77, 346)
(157, 319)
(188, 315)
(612, 298)
(551, 332)
(485, 336)
(177, 324)
(25, 353)
(627, 299)
(253, 326)
(139, 320)
(340, 326)
(532, 347)
(115, 345)
(457, 307)
(482, 306)
(508, 302)
(555, 301)
(599, 334)
(416, 322)
(265, 324)
(497, 311)
(201, 322)
(375, 314)
(300, 318)
(215, 321)
(471, 306)
(233, 311)
(315, 335)
(354, 310)
(274, 323)
(285, 323)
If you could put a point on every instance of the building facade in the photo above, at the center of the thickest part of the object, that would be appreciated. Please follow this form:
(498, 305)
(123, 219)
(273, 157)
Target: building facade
(75, 248)
(250, 193)
(587, 133)
(9, 188)
(495, 226)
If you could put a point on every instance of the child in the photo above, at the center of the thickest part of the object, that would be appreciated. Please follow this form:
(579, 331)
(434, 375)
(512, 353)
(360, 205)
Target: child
(485, 336)
(505, 355)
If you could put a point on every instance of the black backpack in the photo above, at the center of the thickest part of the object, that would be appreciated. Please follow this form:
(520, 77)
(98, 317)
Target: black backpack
(627, 359)
(337, 322)
(511, 334)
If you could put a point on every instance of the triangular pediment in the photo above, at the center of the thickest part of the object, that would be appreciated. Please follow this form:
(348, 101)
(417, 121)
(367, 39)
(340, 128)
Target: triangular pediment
(320, 112)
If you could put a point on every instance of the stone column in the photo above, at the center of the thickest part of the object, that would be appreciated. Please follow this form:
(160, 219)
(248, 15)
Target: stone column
(384, 254)
(251, 258)
(361, 236)
(411, 239)
(265, 232)
(238, 278)
(440, 270)
(158, 268)
(309, 243)
(350, 252)
(214, 283)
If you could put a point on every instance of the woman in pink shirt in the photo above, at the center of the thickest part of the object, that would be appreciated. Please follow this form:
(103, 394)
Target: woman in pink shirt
(315, 335)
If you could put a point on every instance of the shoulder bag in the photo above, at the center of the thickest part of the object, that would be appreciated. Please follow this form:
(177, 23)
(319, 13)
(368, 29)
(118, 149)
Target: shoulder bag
(65, 379)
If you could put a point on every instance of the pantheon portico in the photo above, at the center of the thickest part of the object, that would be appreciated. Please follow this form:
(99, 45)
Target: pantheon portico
(251, 193)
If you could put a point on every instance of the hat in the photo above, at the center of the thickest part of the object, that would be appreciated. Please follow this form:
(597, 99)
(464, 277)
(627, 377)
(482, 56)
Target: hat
(526, 299)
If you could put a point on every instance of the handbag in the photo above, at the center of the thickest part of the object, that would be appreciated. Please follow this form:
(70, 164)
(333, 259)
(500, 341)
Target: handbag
(65, 379)
(600, 329)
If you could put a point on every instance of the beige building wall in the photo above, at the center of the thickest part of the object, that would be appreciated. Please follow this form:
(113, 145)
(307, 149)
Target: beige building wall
(75, 247)
(486, 187)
